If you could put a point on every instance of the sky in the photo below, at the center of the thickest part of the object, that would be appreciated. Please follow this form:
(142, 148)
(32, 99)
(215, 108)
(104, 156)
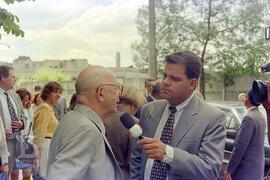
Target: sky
(66, 29)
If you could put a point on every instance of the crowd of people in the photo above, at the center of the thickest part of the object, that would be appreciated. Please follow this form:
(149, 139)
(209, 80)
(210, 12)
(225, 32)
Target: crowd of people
(183, 137)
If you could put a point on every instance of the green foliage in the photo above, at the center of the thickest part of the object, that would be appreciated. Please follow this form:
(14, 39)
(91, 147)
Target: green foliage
(10, 22)
(21, 80)
(227, 34)
(13, 1)
(44, 75)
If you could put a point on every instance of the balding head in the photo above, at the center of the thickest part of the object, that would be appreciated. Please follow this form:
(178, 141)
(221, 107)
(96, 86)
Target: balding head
(97, 88)
(90, 78)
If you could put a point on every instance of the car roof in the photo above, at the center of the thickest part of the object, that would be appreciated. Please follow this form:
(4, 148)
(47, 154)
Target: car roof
(227, 103)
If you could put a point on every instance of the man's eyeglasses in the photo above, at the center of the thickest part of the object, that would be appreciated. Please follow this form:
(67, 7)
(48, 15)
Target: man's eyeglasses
(118, 87)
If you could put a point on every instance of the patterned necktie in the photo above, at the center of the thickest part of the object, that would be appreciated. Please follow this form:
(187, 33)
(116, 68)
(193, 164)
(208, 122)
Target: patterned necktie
(159, 170)
(11, 109)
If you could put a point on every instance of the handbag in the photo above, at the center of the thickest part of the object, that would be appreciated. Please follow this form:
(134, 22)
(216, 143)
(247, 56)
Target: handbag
(25, 151)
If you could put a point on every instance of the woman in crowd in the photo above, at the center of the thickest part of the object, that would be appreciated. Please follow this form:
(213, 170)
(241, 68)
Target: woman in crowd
(36, 101)
(45, 123)
(130, 100)
(28, 112)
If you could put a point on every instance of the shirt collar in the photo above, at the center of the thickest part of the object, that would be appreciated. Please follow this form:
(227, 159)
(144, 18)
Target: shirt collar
(184, 103)
(152, 97)
(2, 90)
(92, 115)
(251, 108)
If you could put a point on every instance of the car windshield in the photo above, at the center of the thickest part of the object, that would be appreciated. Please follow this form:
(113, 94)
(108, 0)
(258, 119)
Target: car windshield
(241, 111)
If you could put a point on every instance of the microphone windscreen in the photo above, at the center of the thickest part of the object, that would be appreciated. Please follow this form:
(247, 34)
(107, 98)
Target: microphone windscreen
(136, 131)
(127, 120)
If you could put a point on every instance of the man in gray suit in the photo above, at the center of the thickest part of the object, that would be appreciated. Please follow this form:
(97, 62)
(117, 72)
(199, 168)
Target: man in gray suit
(11, 111)
(184, 137)
(247, 158)
(79, 148)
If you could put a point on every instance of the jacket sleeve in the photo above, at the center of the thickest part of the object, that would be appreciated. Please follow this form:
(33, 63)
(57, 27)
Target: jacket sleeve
(208, 162)
(245, 135)
(4, 154)
(72, 160)
(136, 155)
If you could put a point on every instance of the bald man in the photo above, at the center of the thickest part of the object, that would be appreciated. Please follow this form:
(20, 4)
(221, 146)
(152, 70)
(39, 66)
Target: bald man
(79, 148)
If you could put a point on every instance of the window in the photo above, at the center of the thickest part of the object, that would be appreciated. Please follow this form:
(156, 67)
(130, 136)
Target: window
(230, 121)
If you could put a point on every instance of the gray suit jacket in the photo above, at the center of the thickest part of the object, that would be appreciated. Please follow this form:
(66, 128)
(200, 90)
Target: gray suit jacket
(21, 116)
(19, 106)
(80, 150)
(4, 154)
(247, 159)
(198, 141)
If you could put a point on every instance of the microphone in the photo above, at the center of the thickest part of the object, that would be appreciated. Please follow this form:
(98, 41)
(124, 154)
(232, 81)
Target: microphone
(129, 123)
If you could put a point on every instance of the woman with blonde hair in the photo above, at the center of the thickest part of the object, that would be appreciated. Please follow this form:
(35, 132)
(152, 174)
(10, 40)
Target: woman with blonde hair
(130, 100)
(45, 123)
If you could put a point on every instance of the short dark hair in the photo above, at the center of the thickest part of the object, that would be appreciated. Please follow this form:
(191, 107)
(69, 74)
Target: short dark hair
(37, 88)
(4, 70)
(147, 80)
(156, 88)
(189, 60)
(52, 86)
(23, 92)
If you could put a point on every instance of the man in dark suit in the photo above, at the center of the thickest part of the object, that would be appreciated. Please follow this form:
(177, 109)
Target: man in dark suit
(184, 137)
(247, 159)
(11, 111)
(148, 84)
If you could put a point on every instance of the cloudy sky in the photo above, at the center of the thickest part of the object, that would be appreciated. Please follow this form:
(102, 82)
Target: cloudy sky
(65, 29)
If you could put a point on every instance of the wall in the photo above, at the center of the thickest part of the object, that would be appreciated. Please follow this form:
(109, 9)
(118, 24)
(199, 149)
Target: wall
(215, 89)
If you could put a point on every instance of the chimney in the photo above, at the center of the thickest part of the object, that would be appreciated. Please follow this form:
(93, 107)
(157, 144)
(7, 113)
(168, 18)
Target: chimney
(118, 59)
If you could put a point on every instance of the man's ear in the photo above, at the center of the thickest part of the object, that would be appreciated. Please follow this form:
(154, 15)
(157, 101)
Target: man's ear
(100, 94)
(193, 83)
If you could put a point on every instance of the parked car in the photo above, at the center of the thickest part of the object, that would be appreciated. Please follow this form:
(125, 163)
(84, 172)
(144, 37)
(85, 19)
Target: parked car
(235, 111)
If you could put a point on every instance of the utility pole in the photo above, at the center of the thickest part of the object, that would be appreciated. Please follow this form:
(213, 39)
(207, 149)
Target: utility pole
(152, 58)
(118, 60)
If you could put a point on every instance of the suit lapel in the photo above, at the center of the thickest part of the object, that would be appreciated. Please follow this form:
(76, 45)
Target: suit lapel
(154, 118)
(186, 121)
(2, 112)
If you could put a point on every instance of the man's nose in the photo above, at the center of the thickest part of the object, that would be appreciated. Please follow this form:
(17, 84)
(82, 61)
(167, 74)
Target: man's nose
(165, 81)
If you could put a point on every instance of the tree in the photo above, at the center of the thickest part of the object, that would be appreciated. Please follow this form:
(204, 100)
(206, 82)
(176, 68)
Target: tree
(10, 22)
(227, 34)
(44, 75)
